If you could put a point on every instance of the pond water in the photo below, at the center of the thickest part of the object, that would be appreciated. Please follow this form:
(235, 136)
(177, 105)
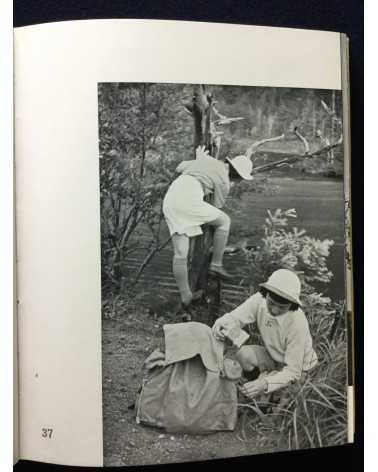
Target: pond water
(320, 210)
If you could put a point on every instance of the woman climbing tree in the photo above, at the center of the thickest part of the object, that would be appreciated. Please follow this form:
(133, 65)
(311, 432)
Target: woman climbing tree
(185, 211)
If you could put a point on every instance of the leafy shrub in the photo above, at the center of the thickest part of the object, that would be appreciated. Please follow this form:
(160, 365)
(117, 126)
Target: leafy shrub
(291, 249)
(144, 132)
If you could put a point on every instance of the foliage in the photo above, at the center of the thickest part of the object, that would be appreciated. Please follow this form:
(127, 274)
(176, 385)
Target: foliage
(291, 249)
(143, 134)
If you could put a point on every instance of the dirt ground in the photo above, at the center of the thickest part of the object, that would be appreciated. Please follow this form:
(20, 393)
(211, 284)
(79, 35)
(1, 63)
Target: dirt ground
(126, 343)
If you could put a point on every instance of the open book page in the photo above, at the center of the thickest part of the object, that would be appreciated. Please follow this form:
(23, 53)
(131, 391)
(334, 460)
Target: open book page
(61, 69)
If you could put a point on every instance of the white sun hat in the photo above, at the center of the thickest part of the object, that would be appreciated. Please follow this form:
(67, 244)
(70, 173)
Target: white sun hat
(284, 283)
(242, 165)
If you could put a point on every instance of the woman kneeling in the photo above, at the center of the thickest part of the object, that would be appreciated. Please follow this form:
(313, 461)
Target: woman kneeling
(287, 353)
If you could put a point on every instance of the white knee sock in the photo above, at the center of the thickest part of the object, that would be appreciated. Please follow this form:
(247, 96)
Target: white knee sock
(180, 272)
(219, 245)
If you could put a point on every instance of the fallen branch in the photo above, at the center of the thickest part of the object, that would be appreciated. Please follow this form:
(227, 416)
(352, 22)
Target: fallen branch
(293, 159)
(148, 258)
(252, 149)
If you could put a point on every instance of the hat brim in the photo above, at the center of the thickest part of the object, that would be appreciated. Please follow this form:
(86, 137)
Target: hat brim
(242, 174)
(281, 294)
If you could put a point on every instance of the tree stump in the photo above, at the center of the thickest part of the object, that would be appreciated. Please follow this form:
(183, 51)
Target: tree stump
(200, 246)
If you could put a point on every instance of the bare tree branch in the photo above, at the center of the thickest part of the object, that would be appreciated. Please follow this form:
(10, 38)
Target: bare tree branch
(252, 149)
(325, 148)
(302, 139)
(326, 107)
(295, 158)
(225, 120)
(330, 112)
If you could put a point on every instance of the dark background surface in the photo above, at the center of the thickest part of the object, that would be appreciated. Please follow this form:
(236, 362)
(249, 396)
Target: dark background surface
(332, 15)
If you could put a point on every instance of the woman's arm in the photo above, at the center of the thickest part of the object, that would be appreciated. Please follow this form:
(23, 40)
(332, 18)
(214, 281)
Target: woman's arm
(183, 166)
(294, 358)
(221, 191)
(242, 315)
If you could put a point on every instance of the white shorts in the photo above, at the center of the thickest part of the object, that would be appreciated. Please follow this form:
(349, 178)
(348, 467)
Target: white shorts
(184, 208)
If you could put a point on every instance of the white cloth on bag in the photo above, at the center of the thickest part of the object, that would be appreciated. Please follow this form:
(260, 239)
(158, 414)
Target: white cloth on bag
(184, 207)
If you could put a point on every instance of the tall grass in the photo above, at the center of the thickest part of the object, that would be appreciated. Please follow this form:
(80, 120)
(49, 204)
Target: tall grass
(311, 412)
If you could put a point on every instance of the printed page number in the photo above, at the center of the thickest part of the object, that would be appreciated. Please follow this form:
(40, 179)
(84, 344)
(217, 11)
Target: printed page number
(47, 433)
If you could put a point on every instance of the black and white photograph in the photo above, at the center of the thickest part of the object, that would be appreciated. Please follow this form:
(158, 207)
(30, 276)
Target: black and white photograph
(223, 271)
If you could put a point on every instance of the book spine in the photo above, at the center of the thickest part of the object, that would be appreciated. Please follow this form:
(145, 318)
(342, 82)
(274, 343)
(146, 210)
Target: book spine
(349, 304)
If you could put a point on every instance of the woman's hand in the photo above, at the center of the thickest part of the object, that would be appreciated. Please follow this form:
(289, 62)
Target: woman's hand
(254, 388)
(224, 323)
(201, 152)
(218, 327)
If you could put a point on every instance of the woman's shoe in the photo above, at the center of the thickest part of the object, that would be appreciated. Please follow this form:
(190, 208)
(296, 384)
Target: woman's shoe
(197, 296)
(220, 272)
(186, 317)
(184, 309)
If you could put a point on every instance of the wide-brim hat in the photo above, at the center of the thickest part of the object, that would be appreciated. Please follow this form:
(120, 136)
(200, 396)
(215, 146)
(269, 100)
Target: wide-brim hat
(243, 166)
(286, 284)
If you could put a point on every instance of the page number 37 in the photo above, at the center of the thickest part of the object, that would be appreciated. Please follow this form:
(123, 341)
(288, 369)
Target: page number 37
(47, 433)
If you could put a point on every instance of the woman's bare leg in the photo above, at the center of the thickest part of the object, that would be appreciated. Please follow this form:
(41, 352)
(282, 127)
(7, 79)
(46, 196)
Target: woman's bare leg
(252, 356)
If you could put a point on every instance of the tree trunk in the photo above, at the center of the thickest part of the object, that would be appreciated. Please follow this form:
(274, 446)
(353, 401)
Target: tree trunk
(331, 152)
(200, 246)
(314, 120)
